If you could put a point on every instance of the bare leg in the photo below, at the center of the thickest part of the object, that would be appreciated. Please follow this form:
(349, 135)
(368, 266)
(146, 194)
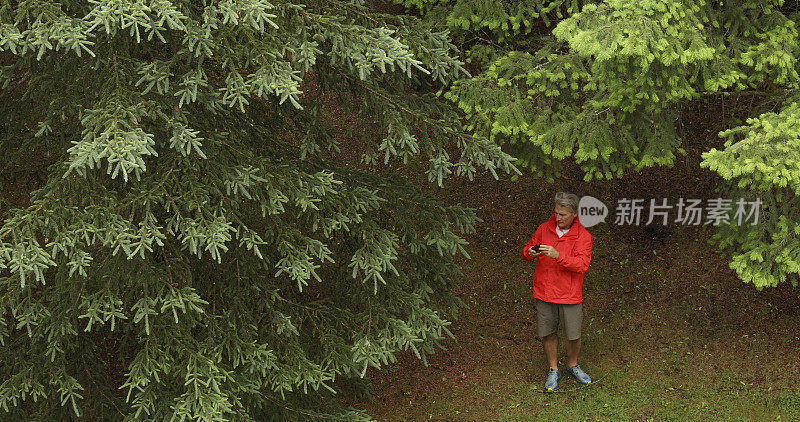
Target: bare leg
(550, 343)
(573, 349)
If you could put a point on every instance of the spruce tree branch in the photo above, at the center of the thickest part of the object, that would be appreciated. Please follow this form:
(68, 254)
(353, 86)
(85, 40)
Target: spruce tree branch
(320, 19)
(373, 21)
(394, 102)
(41, 205)
(478, 36)
(161, 183)
(380, 23)
(15, 84)
(347, 173)
(358, 11)
(446, 128)
(83, 285)
(22, 220)
(303, 306)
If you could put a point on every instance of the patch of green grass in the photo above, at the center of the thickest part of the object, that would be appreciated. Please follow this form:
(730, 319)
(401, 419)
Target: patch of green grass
(649, 393)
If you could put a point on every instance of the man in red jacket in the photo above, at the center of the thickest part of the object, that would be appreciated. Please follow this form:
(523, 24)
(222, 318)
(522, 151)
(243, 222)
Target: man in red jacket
(564, 252)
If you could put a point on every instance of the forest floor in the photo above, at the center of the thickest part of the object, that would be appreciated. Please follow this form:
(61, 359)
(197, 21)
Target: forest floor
(670, 332)
(687, 341)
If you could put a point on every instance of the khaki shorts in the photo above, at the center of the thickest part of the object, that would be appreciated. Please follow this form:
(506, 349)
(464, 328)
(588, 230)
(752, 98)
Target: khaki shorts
(549, 315)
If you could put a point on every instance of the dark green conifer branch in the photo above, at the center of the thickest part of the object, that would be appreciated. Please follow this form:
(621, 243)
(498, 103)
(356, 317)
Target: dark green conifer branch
(197, 250)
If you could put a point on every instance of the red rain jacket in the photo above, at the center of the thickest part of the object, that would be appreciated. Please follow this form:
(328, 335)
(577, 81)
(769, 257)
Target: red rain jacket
(560, 280)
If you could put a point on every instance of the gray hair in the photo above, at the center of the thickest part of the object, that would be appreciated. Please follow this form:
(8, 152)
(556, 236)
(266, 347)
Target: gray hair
(569, 200)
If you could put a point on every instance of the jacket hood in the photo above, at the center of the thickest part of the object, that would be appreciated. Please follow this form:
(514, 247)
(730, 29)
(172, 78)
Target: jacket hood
(576, 224)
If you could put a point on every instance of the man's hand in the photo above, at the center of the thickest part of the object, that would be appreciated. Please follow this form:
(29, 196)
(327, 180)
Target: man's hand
(532, 253)
(549, 251)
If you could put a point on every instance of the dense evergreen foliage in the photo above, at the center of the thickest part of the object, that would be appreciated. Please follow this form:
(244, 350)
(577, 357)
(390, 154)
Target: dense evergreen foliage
(604, 82)
(196, 251)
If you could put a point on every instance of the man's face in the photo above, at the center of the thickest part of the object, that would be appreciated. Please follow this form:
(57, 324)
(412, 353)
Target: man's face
(564, 216)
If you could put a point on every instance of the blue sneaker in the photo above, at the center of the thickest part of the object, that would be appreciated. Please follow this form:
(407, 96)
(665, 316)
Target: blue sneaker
(552, 380)
(579, 375)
